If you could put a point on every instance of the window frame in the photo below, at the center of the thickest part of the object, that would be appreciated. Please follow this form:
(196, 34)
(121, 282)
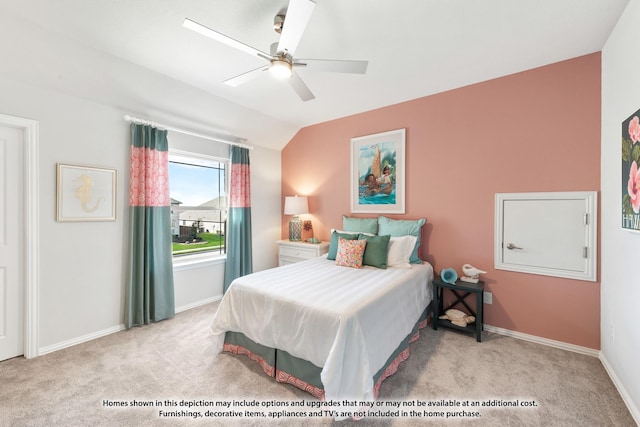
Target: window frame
(198, 259)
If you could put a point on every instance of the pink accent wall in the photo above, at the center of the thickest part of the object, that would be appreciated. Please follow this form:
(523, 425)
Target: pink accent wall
(538, 130)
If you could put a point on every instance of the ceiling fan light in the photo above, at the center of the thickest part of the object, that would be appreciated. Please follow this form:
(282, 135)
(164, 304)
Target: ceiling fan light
(280, 69)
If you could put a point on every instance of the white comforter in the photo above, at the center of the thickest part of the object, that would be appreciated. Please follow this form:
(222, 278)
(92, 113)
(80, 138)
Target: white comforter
(347, 321)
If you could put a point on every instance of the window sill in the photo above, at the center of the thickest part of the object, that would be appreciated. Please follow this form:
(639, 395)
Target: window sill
(186, 262)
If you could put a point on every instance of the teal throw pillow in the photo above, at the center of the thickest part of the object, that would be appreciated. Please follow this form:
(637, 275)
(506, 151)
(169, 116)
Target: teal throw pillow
(403, 227)
(375, 253)
(361, 225)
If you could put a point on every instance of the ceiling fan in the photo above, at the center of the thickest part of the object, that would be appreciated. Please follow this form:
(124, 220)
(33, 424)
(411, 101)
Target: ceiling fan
(291, 26)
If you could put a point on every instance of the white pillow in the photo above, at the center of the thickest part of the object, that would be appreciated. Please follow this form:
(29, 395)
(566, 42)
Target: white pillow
(400, 250)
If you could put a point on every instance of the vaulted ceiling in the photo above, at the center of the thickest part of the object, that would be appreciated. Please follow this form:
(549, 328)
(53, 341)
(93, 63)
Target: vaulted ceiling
(414, 47)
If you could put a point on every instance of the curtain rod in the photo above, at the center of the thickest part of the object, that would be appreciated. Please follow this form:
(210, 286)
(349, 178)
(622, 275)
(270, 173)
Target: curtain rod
(140, 121)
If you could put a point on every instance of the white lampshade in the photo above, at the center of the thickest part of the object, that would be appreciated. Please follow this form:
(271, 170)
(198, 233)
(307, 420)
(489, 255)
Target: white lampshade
(294, 205)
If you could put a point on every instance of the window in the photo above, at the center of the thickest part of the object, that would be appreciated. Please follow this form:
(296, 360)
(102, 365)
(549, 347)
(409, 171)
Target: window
(198, 190)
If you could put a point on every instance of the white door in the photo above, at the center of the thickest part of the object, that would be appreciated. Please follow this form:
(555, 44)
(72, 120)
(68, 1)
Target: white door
(12, 245)
(547, 233)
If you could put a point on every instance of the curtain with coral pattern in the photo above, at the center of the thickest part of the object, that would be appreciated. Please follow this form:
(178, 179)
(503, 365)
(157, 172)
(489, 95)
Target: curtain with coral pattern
(150, 294)
(239, 258)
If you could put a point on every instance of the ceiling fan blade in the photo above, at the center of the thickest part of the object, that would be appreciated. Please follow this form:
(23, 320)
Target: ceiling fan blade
(300, 87)
(295, 22)
(246, 77)
(334, 66)
(212, 34)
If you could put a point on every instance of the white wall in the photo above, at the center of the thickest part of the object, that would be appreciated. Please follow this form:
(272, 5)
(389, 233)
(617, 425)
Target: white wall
(79, 97)
(620, 276)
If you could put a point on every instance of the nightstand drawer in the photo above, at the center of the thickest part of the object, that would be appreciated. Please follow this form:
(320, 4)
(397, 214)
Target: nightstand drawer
(298, 252)
(290, 252)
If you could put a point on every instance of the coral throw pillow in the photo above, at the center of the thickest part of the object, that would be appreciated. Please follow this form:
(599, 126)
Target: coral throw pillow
(350, 252)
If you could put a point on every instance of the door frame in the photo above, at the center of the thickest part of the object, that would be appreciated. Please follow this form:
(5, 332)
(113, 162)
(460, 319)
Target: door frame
(31, 233)
(590, 242)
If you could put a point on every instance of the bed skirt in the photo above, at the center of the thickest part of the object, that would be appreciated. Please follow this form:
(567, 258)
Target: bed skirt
(303, 374)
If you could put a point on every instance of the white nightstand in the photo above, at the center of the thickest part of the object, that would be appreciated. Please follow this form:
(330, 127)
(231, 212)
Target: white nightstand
(290, 252)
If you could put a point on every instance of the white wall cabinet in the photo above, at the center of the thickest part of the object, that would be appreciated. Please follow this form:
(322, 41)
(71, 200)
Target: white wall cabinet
(552, 234)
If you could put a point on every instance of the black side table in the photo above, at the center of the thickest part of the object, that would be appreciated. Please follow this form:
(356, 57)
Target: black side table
(461, 290)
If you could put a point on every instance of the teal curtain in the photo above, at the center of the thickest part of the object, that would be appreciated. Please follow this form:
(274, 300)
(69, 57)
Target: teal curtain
(150, 295)
(239, 258)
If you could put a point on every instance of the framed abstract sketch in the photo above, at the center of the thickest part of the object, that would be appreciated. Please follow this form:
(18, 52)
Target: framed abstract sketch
(378, 173)
(631, 172)
(86, 193)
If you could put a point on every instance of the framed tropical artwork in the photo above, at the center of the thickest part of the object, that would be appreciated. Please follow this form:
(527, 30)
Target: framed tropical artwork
(378, 173)
(631, 172)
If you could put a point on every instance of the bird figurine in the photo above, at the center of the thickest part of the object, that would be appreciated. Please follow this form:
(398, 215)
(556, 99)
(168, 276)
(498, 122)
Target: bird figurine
(472, 274)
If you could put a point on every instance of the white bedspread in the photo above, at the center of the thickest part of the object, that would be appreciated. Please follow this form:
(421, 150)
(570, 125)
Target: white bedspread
(346, 321)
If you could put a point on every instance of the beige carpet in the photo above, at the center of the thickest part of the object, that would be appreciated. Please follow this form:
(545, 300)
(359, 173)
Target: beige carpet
(173, 361)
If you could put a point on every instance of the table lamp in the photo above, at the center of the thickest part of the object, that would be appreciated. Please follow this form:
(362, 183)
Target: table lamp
(294, 205)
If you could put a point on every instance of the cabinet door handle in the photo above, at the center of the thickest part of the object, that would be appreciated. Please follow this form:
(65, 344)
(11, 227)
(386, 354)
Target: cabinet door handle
(511, 246)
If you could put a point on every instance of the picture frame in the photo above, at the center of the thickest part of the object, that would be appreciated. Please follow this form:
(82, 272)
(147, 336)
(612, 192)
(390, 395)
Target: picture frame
(630, 153)
(85, 193)
(378, 173)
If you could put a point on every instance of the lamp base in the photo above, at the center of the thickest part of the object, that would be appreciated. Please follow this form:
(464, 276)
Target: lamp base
(295, 229)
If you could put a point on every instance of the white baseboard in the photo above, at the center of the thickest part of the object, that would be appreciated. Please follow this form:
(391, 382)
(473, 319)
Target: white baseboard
(544, 341)
(633, 409)
(79, 340)
(198, 303)
(114, 329)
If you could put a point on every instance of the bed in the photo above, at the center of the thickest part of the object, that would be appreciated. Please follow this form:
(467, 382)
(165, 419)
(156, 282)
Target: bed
(334, 331)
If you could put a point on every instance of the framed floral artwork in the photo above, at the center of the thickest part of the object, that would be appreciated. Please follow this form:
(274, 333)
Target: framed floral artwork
(86, 193)
(631, 172)
(378, 173)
